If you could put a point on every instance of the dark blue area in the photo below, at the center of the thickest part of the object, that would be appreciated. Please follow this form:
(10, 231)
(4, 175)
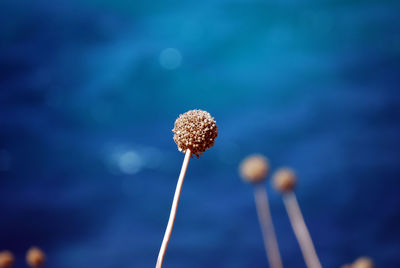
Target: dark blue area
(89, 92)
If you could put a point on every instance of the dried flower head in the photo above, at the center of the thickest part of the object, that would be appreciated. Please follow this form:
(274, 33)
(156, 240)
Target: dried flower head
(35, 257)
(195, 130)
(254, 168)
(6, 259)
(363, 262)
(284, 180)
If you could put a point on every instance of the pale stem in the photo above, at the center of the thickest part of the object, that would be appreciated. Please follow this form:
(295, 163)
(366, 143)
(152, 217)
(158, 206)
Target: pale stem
(301, 231)
(267, 226)
(174, 208)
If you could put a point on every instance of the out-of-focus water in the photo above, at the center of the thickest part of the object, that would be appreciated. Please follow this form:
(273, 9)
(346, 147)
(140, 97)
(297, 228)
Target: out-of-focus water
(89, 91)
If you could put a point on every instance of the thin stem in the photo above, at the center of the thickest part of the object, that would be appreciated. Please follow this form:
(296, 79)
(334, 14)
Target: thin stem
(301, 231)
(174, 207)
(267, 227)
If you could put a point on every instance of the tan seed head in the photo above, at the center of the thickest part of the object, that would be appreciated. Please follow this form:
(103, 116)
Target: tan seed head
(35, 257)
(254, 168)
(195, 130)
(284, 180)
(363, 262)
(6, 259)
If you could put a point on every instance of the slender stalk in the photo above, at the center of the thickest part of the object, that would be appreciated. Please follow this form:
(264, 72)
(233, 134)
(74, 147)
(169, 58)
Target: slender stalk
(301, 231)
(174, 208)
(267, 227)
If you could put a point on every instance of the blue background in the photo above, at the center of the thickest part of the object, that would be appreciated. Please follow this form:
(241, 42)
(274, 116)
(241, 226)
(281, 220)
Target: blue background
(89, 91)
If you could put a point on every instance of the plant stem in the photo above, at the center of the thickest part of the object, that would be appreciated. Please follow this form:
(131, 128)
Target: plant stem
(301, 231)
(174, 208)
(267, 227)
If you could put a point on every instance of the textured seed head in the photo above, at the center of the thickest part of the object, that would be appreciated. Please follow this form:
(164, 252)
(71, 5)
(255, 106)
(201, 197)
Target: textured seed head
(35, 257)
(195, 130)
(6, 259)
(284, 180)
(363, 262)
(254, 168)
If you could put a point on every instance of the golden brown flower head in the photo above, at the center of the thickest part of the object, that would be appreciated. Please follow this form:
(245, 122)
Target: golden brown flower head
(254, 168)
(284, 180)
(35, 257)
(6, 259)
(363, 262)
(195, 130)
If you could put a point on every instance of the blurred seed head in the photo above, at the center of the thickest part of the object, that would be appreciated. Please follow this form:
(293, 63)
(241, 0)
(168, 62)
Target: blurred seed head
(6, 259)
(35, 257)
(254, 168)
(195, 130)
(284, 180)
(363, 262)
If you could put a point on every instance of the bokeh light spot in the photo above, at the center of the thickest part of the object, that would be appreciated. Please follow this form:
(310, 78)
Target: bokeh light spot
(170, 58)
(130, 162)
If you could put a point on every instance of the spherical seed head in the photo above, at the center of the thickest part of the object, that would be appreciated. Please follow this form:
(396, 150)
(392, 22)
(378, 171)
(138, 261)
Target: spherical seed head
(6, 259)
(195, 130)
(363, 262)
(254, 168)
(284, 180)
(35, 257)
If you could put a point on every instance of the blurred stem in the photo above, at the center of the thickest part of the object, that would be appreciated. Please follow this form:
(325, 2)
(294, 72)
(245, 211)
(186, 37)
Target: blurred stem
(267, 226)
(301, 231)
